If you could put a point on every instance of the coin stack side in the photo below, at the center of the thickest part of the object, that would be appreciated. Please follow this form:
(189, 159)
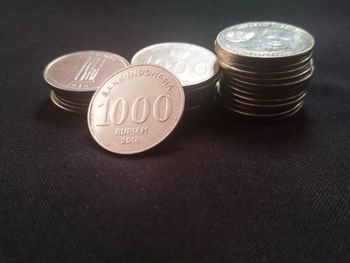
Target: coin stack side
(266, 68)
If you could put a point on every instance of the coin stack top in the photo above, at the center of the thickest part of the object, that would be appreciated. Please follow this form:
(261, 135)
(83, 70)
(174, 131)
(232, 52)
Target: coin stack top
(76, 76)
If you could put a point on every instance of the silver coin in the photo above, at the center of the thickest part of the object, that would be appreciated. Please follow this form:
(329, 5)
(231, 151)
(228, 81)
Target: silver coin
(266, 74)
(261, 114)
(63, 106)
(72, 102)
(270, 81)
(135, 109)
(258, 111)
(68, 104)
(263, 117)
(191, 64)
(82, 71)
(83, 97)
(262, 103)
(278, 91)
(282, 84)
(265, 40)
(263, 65)
(266, 67)
(264, 98)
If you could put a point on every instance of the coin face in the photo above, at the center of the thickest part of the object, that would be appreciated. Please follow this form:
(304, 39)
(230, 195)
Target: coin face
(191, 64)
(135, 109)
(83, 71)
(265, 39)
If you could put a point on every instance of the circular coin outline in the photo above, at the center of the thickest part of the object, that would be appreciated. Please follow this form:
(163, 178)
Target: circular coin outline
(252, 54)
(56, 85)
(161, 138)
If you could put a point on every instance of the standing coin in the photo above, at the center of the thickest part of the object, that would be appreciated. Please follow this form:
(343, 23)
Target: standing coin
(135, 109)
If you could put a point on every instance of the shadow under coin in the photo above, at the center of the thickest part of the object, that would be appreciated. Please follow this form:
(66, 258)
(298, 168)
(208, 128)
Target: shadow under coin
(296, 129)
(166, 147)
(48, 113)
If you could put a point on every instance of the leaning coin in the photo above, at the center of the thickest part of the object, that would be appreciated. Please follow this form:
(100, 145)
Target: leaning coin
(135, 109)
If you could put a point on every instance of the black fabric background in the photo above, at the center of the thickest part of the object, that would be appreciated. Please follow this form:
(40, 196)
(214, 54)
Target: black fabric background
(219, 189)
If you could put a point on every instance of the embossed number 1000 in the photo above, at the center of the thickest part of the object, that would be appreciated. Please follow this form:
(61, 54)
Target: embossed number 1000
(117, 112)
(180, 66)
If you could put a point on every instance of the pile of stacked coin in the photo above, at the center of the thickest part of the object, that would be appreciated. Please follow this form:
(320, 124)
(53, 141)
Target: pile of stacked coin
(266, 67)
(196, 68)
(75, 77)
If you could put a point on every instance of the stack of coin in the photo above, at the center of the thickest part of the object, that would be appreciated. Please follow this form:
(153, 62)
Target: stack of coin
(266, 67)
(196, 68)
(74, 77)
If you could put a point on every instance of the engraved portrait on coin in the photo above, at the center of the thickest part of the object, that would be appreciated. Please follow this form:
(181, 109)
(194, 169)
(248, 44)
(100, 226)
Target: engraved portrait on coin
(265, 39)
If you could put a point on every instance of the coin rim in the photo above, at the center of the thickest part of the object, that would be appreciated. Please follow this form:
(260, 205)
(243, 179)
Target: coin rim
(62, 107)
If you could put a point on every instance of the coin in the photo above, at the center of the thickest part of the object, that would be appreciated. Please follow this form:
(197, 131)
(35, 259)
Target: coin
(265, 40)
(135, 109)
(75, 77)
(266, 68)
(83, 71)
(193, 65)
(268, 73)
(278, 82)
(63, 105)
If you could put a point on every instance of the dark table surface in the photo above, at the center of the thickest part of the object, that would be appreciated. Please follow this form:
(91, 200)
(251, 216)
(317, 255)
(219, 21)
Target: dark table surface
(219, 189)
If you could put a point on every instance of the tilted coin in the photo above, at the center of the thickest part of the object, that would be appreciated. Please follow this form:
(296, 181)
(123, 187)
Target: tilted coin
(135, 109)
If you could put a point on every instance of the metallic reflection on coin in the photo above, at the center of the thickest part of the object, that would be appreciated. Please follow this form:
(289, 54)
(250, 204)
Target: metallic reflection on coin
(266, 68)
(135, 109)
(265, 40)
(75, 77)
(196, 67)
